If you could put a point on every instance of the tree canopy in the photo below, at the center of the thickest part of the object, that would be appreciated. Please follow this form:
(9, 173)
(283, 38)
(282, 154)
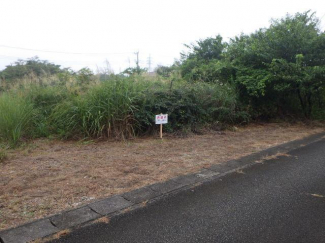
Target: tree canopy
(276, 70)
(33, 65)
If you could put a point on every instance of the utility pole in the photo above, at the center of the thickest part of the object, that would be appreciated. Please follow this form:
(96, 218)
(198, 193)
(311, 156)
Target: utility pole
(137, 62)
(149, 63)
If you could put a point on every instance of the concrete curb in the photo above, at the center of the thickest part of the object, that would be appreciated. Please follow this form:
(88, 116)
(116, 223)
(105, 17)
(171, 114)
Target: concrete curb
(117, 204)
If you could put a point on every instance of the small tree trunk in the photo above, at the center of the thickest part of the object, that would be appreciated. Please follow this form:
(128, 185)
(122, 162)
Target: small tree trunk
(310, 105)
(302, 103)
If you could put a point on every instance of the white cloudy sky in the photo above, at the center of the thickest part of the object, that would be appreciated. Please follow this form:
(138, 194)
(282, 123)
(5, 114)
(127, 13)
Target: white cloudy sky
(99, 30)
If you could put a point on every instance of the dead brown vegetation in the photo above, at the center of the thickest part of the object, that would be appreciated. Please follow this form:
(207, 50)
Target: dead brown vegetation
(49, 176)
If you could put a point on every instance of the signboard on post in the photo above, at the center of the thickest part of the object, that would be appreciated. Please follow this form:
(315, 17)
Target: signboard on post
(161, 119)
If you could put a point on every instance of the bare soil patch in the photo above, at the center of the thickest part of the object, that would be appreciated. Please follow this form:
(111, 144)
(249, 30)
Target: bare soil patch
(49, 176)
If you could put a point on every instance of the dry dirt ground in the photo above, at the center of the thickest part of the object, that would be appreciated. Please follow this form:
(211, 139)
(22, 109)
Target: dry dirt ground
(49, 176)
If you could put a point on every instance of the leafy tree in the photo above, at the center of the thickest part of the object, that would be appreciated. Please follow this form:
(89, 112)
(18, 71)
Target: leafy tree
(277, 70)
(205, 61)
(281, 68)
(206, 50)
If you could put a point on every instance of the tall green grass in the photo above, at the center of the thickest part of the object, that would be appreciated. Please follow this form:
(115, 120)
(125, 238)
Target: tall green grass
(16, 118)
(121, 107)
(44, 100)
(106, 110)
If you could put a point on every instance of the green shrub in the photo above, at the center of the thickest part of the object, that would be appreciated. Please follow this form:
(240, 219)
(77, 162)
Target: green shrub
(191, 105)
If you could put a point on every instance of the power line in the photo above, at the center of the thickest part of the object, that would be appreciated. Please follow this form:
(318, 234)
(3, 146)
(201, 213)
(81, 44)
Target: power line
(76, 53)
(50, 60)
(62, 52)
(11, 57)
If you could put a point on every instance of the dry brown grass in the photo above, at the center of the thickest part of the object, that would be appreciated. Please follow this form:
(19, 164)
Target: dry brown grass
(274, 156)
(317, 195)
(103, 220)
(50, 176)
(56, 236)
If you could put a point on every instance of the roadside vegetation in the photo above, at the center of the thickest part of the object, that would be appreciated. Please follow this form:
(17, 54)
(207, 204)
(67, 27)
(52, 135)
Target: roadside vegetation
(121, 107)
(274, 73)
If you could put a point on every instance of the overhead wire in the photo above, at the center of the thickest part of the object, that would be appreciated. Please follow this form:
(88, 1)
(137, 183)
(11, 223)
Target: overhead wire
(63, 52)
(71, 53)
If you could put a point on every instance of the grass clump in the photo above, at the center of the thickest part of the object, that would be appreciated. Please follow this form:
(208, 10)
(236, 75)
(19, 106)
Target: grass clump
(106, 110)
(44, 100)
(16, 118)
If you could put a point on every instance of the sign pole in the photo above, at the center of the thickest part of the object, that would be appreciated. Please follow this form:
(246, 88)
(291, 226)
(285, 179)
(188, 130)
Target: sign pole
(161, 129)
(160, 120)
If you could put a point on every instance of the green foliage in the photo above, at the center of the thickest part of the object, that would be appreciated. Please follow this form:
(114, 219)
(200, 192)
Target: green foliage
(67, 118)
(84, 77)
(33, 65)
(44, 100)
(206, 50)
(134, 71)
(211, 72)
(107, 110)
(277, 70)
(204, 62)
(191, 105)
(40, 72)
(16, 118)
(165, 71)
(125, 107)
(282, 65)
(120, 107)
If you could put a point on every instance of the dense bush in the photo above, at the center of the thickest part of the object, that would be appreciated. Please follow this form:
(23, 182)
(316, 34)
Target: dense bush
(191, 105)
(277, 71)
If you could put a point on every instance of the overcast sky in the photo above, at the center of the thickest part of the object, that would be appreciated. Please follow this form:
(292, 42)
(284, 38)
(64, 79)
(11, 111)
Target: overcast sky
(80, 33)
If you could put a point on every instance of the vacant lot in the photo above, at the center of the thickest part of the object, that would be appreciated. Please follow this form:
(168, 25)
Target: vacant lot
(48, 176)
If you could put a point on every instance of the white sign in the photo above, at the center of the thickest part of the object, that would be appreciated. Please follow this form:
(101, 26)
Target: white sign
(162, 119)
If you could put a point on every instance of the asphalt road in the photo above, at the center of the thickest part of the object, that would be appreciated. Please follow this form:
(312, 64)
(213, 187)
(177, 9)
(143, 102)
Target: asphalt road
(282, 200)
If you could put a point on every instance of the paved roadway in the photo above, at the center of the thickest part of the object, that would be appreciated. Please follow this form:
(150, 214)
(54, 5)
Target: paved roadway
(282, 200)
